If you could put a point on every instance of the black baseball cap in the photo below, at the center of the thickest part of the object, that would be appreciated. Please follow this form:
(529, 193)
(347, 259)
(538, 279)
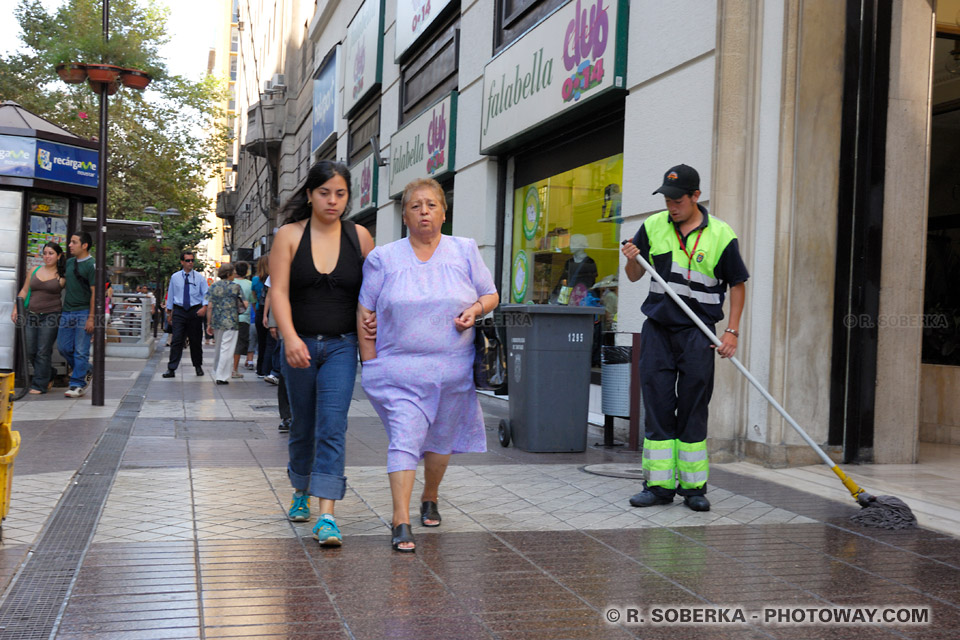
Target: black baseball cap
(679, 181)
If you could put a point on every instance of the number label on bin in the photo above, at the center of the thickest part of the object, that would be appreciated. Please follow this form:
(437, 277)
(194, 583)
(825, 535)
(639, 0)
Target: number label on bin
(574, 337)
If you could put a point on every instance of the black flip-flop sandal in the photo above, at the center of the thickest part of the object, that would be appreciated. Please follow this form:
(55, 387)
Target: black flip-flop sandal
(428, 511)
(402, 533)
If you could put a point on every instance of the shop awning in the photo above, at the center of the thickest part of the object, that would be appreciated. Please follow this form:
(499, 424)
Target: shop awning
(125, 229)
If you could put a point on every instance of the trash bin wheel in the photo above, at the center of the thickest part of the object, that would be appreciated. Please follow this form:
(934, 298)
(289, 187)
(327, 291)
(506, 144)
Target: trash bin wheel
(504, 433)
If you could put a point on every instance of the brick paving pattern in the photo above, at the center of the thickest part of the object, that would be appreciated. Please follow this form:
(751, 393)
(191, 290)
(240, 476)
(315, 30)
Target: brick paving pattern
(192, 541)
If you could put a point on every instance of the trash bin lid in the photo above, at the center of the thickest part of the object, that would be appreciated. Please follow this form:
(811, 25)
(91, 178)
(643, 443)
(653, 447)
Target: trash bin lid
(557, 309)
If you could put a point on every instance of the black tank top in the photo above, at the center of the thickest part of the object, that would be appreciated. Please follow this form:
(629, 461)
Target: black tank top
(325, 303)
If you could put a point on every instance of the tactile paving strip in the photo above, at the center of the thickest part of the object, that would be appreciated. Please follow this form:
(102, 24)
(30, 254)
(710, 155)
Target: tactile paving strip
(34, 601)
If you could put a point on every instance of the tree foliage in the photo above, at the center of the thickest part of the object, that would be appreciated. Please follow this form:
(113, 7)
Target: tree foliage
(164, 143)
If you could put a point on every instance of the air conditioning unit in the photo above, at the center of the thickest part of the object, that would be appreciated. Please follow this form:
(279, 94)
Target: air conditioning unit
(278, 82)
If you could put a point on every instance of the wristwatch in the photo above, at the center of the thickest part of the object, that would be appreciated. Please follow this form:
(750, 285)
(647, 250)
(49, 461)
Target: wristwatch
(736, 334)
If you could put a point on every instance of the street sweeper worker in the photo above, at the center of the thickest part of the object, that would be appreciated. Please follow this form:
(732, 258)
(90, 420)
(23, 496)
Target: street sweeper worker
(698, 256)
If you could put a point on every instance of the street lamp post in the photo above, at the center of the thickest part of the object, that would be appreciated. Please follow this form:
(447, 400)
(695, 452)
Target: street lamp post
(99, 298)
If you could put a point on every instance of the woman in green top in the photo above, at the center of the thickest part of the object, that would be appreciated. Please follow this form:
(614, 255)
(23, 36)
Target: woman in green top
(41, 294)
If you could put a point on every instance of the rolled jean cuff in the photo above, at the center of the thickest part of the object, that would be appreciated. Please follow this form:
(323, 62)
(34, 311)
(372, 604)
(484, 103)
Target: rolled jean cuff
(398, 460)
(297, 481)
(327, 487)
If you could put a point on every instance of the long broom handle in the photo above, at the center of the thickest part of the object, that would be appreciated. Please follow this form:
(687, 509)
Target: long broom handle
(756, 383)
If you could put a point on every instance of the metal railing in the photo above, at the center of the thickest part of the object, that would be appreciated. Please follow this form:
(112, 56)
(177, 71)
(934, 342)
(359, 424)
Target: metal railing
(129, 319)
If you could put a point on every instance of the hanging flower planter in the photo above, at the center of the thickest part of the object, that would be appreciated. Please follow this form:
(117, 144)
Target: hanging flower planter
(112, 87)
(135, 79)
(103, 73)
(72, 72)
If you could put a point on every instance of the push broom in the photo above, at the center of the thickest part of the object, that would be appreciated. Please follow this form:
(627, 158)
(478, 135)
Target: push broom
(886, 512)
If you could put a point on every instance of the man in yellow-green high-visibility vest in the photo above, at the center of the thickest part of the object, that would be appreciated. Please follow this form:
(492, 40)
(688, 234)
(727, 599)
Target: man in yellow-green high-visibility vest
(699, 258)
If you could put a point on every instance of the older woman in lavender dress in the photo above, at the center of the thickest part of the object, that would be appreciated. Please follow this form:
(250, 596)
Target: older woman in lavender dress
(427, 290)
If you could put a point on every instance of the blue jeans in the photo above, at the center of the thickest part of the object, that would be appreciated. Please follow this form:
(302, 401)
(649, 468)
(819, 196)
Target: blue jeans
(41, 333)
(319, 399)
(73, 342)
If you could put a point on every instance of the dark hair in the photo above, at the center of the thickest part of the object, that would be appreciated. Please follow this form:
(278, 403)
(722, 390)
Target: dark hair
(61, 258)
(242, 268)
(84, 237)
(184, 254)
(298, 206)
(263, 267)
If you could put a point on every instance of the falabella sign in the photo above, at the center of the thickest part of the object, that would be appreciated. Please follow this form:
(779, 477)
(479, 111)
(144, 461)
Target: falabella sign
(413, 18)
(575, 55)
(424, 147)
(363, 66)
(43, 160)
(364, 177)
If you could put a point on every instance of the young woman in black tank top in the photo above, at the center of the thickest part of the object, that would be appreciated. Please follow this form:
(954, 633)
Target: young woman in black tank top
(315, 273)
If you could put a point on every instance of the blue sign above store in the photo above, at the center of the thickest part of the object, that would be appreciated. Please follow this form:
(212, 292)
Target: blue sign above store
(324, 102)
(33, 158)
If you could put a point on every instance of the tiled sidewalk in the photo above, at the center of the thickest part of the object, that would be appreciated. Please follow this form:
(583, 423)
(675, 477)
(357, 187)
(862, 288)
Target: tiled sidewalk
(192, 541)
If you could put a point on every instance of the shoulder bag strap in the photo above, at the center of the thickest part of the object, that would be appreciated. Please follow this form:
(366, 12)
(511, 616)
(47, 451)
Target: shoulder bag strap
(26, 301)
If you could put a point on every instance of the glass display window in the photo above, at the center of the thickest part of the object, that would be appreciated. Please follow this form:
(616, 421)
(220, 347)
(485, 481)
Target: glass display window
(566, 238)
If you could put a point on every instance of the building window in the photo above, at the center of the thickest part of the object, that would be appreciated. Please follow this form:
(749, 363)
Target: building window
(233, 68)
(363, 126)
(235, 12)
(432, 71)
(234, 39)
(514, 17)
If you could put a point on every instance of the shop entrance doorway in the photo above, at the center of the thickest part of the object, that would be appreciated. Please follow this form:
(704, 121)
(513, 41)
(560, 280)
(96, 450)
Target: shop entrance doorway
(940, 368)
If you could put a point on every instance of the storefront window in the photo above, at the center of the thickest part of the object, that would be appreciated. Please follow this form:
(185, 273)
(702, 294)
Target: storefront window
(566, 238)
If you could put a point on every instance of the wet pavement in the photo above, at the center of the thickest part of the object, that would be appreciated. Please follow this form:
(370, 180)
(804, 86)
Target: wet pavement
(162, 515)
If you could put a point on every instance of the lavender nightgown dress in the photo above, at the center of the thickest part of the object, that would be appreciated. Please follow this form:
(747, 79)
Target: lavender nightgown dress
(421, 382)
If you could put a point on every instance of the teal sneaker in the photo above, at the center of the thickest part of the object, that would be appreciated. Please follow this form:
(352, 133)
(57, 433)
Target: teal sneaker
(327, 532)
(299, 507)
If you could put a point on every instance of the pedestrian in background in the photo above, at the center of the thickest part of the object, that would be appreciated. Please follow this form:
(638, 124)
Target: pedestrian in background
(427, 290)
(41, 295)
(316, 271)
(283, 400)
(698, 256)
(260, 292)
(76, 317)
(225, 305)
(243, 324)
(186, 308)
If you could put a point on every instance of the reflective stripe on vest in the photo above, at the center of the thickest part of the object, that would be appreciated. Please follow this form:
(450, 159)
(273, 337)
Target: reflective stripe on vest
(684, 291)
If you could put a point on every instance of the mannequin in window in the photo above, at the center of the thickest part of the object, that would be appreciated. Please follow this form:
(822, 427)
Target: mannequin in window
(580, 271)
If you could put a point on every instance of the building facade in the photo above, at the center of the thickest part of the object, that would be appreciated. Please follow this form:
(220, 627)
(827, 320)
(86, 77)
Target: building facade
(550, 122)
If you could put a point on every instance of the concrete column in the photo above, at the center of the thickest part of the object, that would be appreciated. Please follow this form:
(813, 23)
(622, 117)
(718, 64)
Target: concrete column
(906, 179)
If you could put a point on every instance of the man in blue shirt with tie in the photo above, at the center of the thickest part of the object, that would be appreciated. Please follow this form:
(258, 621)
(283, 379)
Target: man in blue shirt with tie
(186, 306)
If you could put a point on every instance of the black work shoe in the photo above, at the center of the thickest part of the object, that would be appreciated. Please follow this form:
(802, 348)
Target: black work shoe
(647, 498)
(199, 371)
(697, 503)
(223, 382)
(169, 373)
(284, 426)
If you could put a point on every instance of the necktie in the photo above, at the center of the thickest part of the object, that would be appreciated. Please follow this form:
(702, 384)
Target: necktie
(186, 292)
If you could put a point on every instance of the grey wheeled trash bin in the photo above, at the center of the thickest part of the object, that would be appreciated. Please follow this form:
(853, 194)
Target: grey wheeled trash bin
(548, 372)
